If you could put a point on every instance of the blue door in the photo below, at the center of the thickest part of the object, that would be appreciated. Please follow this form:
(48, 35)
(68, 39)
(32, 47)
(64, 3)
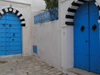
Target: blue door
(10, 35)
(86, 38)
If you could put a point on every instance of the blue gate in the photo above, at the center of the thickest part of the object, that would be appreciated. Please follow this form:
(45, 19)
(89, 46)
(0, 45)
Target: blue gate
(86, 38)
(10, 35)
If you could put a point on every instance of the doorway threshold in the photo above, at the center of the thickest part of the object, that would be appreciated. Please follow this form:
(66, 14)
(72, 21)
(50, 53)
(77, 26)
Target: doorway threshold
(77, 71)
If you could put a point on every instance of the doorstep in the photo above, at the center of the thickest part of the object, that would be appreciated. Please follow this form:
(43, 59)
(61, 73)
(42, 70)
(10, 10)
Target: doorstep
(76, 71)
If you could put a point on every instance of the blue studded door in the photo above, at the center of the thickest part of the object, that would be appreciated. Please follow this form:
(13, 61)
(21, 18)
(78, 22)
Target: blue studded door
(10, 35)
(94, 38)
(86, 38)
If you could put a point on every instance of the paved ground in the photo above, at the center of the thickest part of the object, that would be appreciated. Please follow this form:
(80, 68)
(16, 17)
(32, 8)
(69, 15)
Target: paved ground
(20, 65)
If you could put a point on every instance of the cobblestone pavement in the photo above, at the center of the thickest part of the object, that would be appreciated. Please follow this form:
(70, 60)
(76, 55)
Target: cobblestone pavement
(26, 66)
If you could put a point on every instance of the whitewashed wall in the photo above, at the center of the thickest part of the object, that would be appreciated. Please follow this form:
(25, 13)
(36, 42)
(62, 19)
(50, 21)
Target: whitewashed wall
(25, 9)
(46, 36)
(67, 37)
(54, 40)
(19, 1)
(36, 5)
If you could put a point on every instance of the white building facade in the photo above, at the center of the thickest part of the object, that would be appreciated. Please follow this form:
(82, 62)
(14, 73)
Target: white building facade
(55, 39)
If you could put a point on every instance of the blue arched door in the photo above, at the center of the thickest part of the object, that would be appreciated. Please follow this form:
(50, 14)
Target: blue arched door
(87, 37)
(10, 35)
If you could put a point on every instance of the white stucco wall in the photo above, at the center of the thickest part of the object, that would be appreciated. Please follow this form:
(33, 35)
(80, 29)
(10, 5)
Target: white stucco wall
(36, 5)
(67, 37)
(25, 10)
(54, 40)
(19, 1)
(47, 39)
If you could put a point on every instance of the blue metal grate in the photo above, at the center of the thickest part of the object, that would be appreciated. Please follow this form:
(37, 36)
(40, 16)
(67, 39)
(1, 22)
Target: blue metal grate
(49, 15)
(34, 49)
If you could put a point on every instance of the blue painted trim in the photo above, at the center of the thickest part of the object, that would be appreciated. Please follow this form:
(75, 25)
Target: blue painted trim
(35, 49)
(49, 15)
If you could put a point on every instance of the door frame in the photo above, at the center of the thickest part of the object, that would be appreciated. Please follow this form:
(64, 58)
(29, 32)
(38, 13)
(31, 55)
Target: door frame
(86, 47)
(68, 38)
(18, 14)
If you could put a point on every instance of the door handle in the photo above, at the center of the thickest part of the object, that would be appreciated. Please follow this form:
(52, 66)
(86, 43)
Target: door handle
(86, 41)
(3, 24)
(94, 27)
(82, 28)
(10, 25)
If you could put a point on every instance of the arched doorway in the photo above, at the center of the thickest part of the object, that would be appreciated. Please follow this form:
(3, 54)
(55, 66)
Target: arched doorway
(10, 34)
(86, 38)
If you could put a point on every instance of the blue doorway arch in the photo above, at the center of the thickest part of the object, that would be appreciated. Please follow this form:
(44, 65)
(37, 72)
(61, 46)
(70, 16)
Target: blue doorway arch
(86, 38)
(10, 34)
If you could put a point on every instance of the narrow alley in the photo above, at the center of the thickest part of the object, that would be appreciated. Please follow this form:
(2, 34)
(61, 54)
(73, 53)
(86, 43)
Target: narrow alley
(29, 65)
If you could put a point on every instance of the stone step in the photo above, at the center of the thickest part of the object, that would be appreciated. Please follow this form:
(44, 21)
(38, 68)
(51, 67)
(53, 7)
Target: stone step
(77, 71)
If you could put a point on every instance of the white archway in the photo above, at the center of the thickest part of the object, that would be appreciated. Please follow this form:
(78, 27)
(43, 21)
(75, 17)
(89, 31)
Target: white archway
(73, 8)
(16, 12)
